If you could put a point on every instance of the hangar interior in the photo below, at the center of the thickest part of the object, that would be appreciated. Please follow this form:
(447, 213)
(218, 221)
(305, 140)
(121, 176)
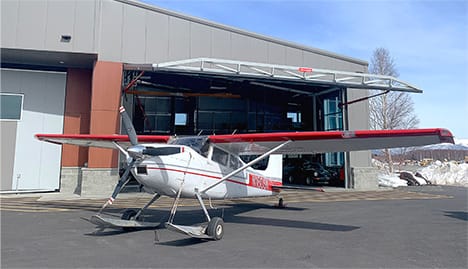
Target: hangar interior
(213, 96)
(178, 101)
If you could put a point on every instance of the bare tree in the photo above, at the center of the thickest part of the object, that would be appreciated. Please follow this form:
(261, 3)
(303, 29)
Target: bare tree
(394, 110)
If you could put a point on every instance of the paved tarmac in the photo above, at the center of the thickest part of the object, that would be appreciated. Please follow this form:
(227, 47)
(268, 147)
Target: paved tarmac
(414, 227)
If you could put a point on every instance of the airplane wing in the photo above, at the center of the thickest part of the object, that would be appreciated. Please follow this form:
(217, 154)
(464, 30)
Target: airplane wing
(100, 141)
(329, 141)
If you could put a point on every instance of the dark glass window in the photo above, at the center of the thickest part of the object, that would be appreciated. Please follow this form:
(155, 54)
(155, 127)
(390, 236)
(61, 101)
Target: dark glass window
(11, 106)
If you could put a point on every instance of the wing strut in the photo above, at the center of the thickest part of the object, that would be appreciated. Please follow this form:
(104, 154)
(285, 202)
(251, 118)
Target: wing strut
(256, 160)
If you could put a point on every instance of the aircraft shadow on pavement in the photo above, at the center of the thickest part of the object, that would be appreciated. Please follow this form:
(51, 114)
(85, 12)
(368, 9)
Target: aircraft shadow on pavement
(182, 242)
(457, 215)
(230, 214)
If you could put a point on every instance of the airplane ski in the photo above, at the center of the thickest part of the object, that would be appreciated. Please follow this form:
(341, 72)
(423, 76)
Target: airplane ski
(192, 231)
(103, 222)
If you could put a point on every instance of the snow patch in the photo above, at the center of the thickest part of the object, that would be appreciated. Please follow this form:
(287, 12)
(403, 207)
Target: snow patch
(447, 173)
(463, 142)
(391, 181)
(440, 173)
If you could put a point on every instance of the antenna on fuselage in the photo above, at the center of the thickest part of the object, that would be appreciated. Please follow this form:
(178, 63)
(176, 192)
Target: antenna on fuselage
(235, 131)
(199, 133)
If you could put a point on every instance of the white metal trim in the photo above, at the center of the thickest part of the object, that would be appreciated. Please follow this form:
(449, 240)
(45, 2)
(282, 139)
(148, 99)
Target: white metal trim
(339, 78)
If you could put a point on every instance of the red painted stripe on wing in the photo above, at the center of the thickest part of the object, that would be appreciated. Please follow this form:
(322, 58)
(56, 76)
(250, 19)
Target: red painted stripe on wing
(117, 138)
(444, 134)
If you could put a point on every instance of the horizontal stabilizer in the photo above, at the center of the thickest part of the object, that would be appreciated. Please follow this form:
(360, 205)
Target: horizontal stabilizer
(291, 187)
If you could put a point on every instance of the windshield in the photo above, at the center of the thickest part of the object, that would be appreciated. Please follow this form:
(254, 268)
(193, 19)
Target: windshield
(197, 143)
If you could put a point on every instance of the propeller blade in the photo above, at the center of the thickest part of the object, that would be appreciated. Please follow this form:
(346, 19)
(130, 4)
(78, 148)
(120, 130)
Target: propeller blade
(127, 122)
(122, 181)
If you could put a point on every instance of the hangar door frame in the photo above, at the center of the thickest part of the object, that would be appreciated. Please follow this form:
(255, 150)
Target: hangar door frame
(294, 73)
(261, 72)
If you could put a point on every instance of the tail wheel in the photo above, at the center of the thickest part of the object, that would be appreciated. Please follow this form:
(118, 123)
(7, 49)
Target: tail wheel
(290, 179)
(308, 181)
(215, 228)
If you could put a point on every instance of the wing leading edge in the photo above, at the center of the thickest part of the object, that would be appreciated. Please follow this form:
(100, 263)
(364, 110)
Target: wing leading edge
(100, 141)
(259, 143)
(334, 141)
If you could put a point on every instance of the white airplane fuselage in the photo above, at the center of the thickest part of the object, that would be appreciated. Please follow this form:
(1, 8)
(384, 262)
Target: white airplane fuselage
(189, 170)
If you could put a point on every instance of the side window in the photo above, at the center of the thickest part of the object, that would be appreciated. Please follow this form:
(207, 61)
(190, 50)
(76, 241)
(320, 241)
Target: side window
(220, 156)
(234, 162)
(261, 165)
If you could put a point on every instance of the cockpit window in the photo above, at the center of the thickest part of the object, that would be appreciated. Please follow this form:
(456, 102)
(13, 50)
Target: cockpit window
(220, 156)
(261, 165)
(234, 162)
(197, 143)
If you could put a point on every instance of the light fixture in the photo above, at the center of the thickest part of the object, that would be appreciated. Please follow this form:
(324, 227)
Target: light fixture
(65, 38)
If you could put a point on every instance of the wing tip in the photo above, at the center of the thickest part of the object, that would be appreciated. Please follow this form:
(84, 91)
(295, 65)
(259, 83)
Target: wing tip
(446, 136)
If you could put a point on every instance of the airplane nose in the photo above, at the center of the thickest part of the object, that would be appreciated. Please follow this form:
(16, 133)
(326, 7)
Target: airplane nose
(136, 152)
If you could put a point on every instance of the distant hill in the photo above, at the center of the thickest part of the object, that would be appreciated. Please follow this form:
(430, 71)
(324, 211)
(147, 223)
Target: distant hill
(443, 151)
(443, 146)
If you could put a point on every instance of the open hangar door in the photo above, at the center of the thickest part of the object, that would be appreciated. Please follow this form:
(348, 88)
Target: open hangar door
(211, 96)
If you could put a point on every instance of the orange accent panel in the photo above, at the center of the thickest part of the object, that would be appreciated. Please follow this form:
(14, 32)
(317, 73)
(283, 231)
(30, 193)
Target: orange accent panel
(77, 114)
(107, 84)
(105, 122)
(105, 118)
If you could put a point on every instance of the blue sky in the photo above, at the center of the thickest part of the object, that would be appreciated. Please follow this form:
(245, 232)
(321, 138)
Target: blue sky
(427, 39)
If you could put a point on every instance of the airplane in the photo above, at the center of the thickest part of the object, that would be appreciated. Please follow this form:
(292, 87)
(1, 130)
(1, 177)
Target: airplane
(223, 166)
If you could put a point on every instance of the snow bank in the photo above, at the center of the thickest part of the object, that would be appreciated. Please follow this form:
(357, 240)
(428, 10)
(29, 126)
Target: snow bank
(391, 181)
(440, 173)
(446, 173)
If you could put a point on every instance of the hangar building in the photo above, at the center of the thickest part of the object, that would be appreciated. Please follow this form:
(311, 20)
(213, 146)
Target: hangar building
(66, 67)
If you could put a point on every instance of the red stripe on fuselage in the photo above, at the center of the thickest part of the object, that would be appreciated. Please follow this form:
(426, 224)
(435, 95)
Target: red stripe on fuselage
(254, 184)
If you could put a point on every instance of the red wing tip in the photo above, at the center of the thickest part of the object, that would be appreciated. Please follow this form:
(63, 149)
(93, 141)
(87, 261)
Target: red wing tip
(446, 136)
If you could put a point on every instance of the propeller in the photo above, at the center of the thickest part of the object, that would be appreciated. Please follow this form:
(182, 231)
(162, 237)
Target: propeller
(135, 152)
(127, 122)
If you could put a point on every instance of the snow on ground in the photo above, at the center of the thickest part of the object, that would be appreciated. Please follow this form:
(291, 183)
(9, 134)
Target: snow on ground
(391, 181)
(446, 173)
(440, 173)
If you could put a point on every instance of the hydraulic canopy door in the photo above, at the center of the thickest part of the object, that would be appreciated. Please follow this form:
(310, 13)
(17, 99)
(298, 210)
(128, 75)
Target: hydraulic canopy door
(177, 77)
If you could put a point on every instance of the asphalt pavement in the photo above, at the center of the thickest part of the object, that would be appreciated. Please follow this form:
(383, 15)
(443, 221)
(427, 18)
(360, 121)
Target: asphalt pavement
(427, 228)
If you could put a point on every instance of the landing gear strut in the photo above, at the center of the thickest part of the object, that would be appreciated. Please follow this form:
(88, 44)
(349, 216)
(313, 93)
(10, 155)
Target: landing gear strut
(214, 229)
(129, 220)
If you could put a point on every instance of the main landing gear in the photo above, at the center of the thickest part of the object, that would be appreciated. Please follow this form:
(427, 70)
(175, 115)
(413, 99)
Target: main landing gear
(213, 229)
(130, 219)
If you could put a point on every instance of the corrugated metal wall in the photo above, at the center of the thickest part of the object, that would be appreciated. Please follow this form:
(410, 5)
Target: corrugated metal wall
(132, 32)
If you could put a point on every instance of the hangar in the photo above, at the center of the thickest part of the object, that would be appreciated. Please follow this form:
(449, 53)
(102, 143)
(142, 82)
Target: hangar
(66, 66)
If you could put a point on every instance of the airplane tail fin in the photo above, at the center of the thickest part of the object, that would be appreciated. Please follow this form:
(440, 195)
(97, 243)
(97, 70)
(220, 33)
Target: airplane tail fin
(274, 169)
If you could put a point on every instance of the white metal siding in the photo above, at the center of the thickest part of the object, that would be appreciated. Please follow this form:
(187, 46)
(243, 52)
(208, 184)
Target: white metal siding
(37, 164)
